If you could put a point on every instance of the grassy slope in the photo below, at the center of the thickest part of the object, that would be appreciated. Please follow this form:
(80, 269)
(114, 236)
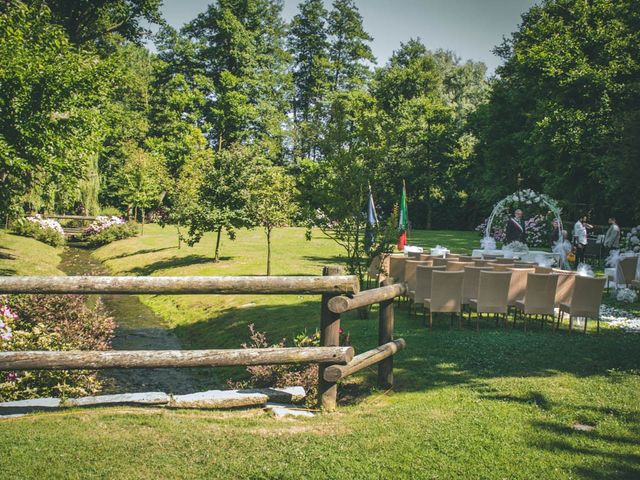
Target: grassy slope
(26, 256)
(491, 405)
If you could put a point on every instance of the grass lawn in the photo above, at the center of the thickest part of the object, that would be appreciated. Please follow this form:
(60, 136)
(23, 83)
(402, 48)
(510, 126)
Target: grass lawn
(26, 256)
(498, 404)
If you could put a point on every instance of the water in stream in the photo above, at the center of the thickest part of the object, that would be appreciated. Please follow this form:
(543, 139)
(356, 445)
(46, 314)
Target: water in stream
(137, 328)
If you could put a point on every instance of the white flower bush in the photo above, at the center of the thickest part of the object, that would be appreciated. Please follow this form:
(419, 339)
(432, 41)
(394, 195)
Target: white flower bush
(626, 295)
(46, 223)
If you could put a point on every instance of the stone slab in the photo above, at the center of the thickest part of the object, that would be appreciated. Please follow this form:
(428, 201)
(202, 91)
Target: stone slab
(145, 398)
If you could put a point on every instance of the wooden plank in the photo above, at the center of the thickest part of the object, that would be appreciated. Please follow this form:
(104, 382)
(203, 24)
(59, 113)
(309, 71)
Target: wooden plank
(81, 360)
(71, 217)
(337, 372)
(343, 303)
(180, 285)
(329, 337)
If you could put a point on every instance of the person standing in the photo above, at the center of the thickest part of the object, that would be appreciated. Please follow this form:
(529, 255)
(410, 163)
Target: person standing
(516, 229)
(612, 237)
(580, 237)
(556, 235)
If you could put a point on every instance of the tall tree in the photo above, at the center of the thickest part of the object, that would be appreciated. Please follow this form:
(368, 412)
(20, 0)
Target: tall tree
(50, 98)
(240, 48)
(563, 116)
(309, 46)
(91, 20)
(350, 48)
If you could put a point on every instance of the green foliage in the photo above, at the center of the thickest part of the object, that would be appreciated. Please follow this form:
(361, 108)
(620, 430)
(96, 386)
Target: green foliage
(212, 192)
(349, 50)
(46, 322)
(271, 202)
(143, 179)
(26, 228)
(50, 97)
(87, 21)
(563, 116)
(111, 234)
(240, 47)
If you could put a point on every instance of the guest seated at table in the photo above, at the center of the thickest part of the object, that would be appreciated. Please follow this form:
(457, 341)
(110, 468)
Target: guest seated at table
(515, 231)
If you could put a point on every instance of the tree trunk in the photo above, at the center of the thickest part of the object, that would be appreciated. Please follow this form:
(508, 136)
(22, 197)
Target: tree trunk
(142, 216)
(216, 257)
(429, 212)
(268, 251)
(179, 235)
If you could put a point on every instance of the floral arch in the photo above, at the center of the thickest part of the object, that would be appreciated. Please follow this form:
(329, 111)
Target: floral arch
(521, 199)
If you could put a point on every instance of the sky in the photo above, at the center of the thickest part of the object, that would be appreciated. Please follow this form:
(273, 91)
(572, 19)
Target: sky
(470, 28)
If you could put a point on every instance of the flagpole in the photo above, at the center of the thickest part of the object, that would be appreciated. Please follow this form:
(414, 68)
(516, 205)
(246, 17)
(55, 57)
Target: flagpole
(404, 188)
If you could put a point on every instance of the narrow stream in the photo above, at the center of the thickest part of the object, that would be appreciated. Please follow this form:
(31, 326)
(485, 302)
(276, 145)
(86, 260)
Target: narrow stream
(137, 328)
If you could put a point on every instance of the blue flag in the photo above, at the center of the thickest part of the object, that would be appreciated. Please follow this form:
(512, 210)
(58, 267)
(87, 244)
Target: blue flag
(372, 222)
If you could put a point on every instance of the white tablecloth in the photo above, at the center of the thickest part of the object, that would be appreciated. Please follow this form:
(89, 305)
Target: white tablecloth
(530, 256)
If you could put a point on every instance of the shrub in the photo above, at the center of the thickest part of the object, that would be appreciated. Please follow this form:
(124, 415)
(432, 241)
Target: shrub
(51, 322)
(42, 229)
(266, 376)
(108, 229)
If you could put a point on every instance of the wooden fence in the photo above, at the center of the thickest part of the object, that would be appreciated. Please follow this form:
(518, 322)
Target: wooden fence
(340, 294)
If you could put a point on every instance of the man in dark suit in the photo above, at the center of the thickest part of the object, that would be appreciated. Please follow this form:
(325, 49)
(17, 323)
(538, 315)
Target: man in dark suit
(516, 229)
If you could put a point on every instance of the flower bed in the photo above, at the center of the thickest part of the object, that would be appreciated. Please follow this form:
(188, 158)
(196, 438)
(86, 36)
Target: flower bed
(619, 318)
(51, 322)
(105, 230)
(44, 230)
(631, 241)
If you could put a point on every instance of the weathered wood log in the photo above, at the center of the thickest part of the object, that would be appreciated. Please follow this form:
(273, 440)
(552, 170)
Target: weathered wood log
(385, 335)
(77, 359)
(329, 337)
(337, 372)
(343, 303)
(180, 285)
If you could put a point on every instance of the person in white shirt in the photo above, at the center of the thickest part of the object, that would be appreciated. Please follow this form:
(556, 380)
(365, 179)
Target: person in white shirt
(580, 237)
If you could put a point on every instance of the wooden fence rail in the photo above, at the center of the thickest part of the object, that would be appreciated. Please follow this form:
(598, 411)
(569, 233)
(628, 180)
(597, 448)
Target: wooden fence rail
(180, 285)
(83, 360)
(364, 360)
(340, 293)
(341, 304)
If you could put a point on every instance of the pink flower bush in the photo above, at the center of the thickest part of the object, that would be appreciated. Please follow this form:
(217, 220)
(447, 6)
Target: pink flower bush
(102, 222)
(6, 321)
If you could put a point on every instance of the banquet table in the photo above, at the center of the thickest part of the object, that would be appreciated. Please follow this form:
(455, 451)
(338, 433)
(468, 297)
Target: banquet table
(530, 256)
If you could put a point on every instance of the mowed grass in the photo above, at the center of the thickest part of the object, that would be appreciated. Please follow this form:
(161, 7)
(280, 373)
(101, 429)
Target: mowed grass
(26, 256)
(494, 404)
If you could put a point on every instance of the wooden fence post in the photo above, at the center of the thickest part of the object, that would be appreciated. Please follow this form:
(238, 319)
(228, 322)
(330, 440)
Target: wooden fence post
(385, 335)
(329, 336)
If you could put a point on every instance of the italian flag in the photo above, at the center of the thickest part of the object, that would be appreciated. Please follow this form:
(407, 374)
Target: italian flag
(403, 221)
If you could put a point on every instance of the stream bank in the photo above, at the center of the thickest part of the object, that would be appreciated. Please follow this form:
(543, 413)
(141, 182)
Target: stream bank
(138, 327)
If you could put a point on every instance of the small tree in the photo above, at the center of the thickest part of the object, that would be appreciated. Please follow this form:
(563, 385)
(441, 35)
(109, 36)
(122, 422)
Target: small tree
(212, 193)
(272, 202)
(142, 179)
